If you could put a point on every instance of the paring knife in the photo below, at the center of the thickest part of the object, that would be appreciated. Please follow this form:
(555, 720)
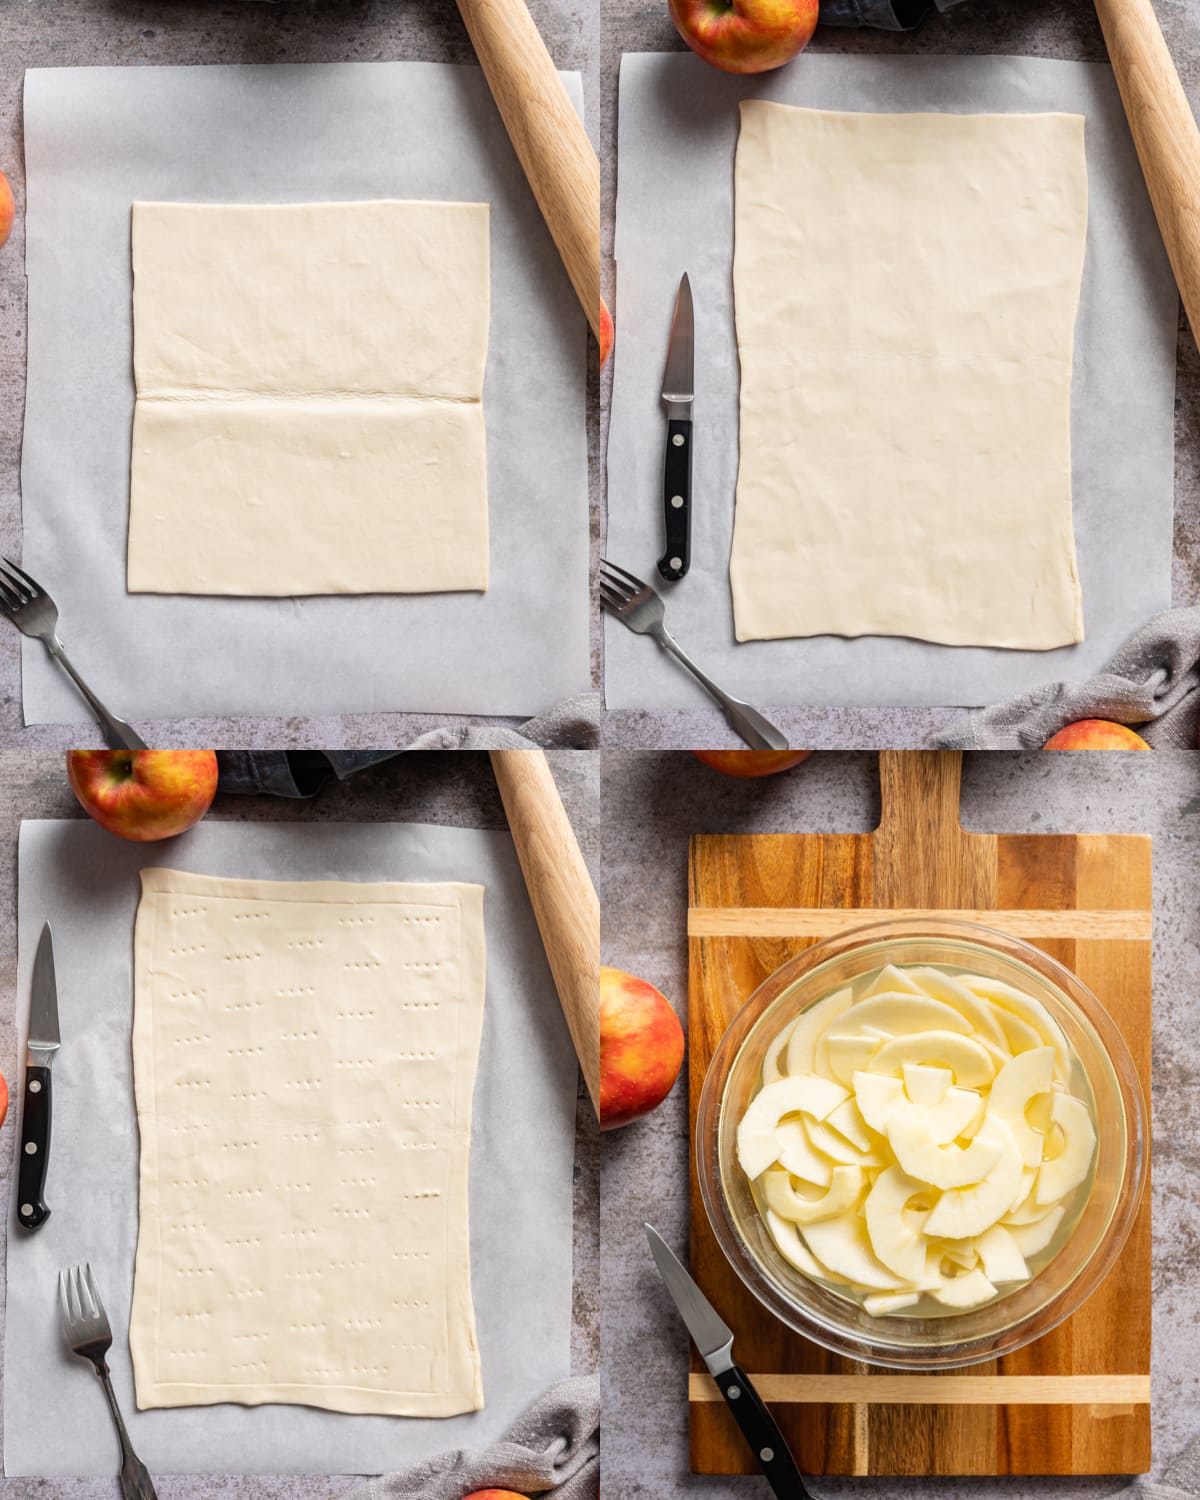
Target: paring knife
(714, 1339)
(677, 395)
(32, 1212)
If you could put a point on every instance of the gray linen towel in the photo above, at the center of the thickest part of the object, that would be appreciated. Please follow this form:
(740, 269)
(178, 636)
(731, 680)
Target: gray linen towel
(572, 724)
(1180, 1481)
(1153, 683)
(887, 15)
(554, 1449)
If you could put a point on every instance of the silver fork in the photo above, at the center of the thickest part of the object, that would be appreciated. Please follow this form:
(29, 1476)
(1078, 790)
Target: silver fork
(35, 614)
(640, 608)
(85, 1324)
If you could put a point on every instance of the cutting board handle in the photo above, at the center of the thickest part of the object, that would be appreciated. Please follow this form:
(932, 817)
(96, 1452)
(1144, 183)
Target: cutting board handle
(923, 855)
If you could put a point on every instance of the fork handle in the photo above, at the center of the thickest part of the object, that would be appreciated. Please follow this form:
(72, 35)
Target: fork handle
(120, 736)
(136, 1483)
(758, 732)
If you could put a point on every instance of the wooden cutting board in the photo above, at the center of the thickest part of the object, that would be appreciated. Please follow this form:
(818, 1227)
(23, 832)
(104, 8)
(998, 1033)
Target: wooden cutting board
(1078, 1400)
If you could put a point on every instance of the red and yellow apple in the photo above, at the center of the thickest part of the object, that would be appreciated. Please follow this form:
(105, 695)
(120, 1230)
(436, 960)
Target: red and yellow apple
(495, 1495)
(1095, 734)
(3, 1099)
(144, 794)
(607, 333)
(641, 1048)
(8, 209)
(751, 762)
(745, 36)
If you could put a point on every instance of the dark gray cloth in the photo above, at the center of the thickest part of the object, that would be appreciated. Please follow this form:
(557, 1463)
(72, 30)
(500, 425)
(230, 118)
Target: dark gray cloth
(1180, 1481)
(573, 724)
(1153, 684)
(887, 15)
(554, 1450)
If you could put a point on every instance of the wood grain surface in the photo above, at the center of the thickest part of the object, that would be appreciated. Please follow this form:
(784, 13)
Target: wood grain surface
(547, 135)
(1079, 1400)
(562, 895)
(1164, 132)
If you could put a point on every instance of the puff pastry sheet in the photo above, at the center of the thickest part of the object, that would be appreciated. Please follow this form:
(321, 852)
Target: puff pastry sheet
(906, 289)
(309, 414)
(304, 1059)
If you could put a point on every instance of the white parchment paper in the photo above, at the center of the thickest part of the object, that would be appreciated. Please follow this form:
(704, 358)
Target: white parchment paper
(677, 133)
(85, 883)
(96, 139)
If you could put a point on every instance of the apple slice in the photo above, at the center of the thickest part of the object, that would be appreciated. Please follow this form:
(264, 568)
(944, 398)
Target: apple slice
(772, 1071)
(1029, 1010)
(970, 1063)
(969, 1290)
(757, 1147)
(901, 1015)
(1002, 1260)
(897, 1241)
(876, 1096)
(843, 1246)
(924, 1084)
(847, 1120)
(1068, 1169)
(891, 980)
(799, 1156)
(1032, 1239)
(847, 1054)
(948, 1166)
(835, 1145)
(981, 1019)
(963, 1212)
(961, 1253)
(881, 1304)
(795, 1251)
(842, 1194)
(802, 1044)
(1017, 1084)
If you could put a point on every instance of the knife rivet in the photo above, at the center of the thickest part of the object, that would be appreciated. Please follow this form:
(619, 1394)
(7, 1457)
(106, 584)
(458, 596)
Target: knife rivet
(27, 1210)
(677, 501)
(678, 439)
(767, 1454)
(734, 1392)
(677, 562)
(35, 1086)
(30, 1148)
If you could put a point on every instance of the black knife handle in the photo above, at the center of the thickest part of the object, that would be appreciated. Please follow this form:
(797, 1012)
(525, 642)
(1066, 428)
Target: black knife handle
(32, 1212)
(760, 1430)
(677, 501)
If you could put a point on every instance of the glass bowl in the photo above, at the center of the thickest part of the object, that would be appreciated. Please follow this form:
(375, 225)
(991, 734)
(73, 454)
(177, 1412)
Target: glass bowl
(1017, 1317)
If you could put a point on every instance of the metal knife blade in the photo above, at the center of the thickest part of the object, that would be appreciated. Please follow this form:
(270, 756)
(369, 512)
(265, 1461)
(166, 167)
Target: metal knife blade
(712, 1336)
(679, 379)
(43, 1043)
(678, 394)
(44, 1038)
(714, 1339)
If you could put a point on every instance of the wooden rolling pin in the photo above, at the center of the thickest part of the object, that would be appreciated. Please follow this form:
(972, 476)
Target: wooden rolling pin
(547, 135)
(1164, 132)
(561, 892)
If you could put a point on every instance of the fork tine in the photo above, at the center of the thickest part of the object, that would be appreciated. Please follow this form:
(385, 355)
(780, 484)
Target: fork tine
(611, 596)
(86, 1288)
(633, 582)
(618, 587)
(97, 1306)
(63, 1308)
(33, 587)
(73, 1312)
(8, 598)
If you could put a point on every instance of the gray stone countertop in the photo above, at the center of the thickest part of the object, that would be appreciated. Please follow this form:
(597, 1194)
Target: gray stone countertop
(652, 804)
(1028, 28)
(453, 789)
(131, 33)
